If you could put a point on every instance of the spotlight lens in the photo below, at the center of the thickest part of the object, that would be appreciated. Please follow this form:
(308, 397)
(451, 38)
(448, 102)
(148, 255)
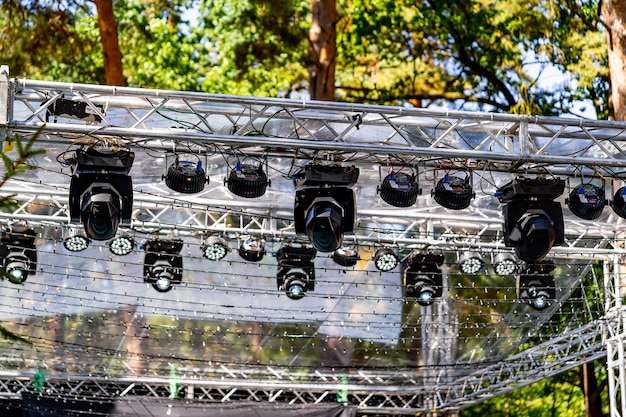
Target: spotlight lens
(323, 225)
(214, 252)
(122, 245)
(17, 270)
(163, 284)
(471, 266)
(539, 237)
(385, 261)
(505, 267)
(100, 213)
(426, 298)
(76, 243)
(540, 303)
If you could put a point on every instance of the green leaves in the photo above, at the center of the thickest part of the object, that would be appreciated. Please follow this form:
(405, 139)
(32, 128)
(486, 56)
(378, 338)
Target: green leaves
(15, 165)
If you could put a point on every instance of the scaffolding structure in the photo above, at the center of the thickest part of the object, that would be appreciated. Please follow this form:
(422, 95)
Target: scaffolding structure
(288, 133)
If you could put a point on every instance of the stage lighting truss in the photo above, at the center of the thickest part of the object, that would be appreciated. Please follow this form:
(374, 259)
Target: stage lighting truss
(400, 188)
(346, 255)
(471, 263)
(122, 245)
(18, 253)
(533, 222)
(325, 205)
(535, 284)
(215, 248)
(101, 191)
(504, 264)
(586, 201)
(386, 259)
(252, 248)
(163, 264)
(186, 176)
(454, 191)
(247, 180)
(296, 271)
(422, 278)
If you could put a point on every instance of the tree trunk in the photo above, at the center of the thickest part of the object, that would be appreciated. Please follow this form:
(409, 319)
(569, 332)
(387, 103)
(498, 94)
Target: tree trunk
(591, 390)
(614, 16)
(323, 49)
(110, 45)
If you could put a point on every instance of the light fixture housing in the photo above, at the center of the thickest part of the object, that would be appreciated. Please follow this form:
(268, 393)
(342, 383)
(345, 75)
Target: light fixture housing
(296, 271)
(399, 189)
(186, 177)
(535, 284)
(346, 255)
(454, 192)
(18, 253)
(619, 202)
(504, 264)
(471, 263)
(76, 242)
(247, 180)
(163, 264)
(122, 245)
(587, 201)
(325, 206)
(422, 278)
(386, 259)
(215, 248)
(533, 222)
(252, 248)
(101, 191)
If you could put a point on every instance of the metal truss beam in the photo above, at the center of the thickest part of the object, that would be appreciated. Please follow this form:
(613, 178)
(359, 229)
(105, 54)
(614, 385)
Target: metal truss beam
(394, 392)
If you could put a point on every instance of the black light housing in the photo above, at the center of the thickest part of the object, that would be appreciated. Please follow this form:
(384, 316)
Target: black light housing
(454, 192)
(325, 206)
(399, 189)
(247, 180)
(296, 272)
(533, 222)
(535, 284)
(18, 253)
(587, 201)
(346, 255)
(163, 264)
(252, 248)
(386, 259)
(186, 177)
(422, 277)
(101, 191)
(619, 202)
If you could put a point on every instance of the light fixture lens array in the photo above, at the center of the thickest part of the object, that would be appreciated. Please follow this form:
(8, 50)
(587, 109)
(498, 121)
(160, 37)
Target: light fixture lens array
(121, 245)
(76, 243)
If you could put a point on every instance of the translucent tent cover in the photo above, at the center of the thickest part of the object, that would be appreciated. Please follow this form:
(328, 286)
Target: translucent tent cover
(91, 313)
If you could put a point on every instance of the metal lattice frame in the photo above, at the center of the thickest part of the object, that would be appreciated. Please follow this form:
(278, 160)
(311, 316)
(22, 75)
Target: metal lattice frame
(335, 131)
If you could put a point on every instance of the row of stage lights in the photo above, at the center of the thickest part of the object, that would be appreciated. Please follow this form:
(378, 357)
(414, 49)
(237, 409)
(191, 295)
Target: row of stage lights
(101, 198)
(422, 277)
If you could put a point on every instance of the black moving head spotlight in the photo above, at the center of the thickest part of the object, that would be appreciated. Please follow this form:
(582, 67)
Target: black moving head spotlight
(163, 264)
(296, 270)
(18, 253)
(535, 284)
(325, 205)
(101, 191)
(533, 222)
(422, 277)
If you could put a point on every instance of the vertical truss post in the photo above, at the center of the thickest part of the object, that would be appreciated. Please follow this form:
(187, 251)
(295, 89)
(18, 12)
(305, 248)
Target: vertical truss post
(615, 338)
(4, 100)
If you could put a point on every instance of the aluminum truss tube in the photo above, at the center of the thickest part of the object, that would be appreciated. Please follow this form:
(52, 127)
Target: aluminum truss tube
(615, 340)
